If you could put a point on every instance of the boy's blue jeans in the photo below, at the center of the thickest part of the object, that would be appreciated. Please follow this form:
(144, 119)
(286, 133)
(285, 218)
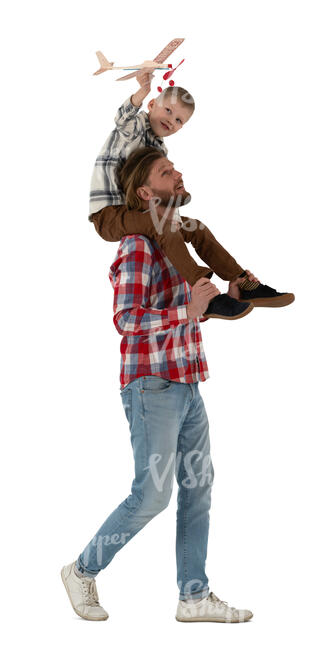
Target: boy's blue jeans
(170, 437)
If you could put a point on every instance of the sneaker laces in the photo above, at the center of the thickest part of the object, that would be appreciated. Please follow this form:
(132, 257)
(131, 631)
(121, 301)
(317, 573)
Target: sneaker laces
(216, 601)
(249, 285)
(90, 592)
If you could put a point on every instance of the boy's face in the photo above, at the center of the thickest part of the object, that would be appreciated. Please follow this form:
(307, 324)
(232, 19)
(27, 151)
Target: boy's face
(167, 117)
(166, 183)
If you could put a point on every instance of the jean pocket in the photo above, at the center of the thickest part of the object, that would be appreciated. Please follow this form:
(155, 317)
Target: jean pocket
(155, 384)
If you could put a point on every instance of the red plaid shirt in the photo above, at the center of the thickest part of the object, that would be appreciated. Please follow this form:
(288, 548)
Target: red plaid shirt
(150, 299)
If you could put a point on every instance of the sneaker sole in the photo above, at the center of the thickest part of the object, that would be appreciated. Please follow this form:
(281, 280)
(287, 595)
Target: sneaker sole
(104, 618)
(278, 301)
(243, 313)
(211, 620)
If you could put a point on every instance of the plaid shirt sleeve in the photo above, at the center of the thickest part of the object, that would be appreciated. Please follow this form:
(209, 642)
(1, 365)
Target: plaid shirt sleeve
(132, 278)
(127, 120)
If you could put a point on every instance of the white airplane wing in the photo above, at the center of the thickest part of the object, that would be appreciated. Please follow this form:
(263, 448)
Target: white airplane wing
(161, 57)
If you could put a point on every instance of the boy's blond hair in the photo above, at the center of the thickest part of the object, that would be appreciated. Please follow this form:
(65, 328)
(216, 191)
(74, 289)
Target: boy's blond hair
(177, 94)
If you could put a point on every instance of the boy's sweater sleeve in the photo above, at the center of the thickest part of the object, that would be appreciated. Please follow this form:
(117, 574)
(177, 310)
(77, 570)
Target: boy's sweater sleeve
(127, 120)
(131, 277)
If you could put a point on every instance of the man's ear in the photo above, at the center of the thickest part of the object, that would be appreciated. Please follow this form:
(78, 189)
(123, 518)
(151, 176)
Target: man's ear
(144, 193)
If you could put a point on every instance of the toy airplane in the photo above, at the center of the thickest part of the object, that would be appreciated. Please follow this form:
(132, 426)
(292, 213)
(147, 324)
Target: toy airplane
(156, 64)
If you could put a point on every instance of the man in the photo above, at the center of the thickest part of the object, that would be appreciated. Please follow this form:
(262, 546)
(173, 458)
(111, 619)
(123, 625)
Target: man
(162, 362)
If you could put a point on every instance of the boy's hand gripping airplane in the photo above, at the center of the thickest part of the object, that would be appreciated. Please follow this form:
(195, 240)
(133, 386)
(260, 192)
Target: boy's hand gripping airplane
(156, 64)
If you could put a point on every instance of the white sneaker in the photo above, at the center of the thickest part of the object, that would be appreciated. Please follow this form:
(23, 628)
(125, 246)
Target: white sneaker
(211, 609)
(83, 595)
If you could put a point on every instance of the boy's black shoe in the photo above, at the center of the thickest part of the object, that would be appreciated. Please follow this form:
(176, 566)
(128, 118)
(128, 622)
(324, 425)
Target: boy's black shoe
(223, 306)
(264, 296)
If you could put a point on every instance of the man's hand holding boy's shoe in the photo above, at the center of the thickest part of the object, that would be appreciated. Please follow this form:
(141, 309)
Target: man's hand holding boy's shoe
(207, 301)
(203, 291)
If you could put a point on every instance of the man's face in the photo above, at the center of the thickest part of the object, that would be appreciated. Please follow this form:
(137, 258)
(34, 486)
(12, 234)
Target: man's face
(167, 117)
(166, 183)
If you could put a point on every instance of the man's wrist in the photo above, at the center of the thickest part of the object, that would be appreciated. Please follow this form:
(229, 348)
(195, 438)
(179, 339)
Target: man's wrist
(191, 313)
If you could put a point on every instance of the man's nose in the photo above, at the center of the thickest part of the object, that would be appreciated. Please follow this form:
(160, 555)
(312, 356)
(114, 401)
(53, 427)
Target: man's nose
(178, 175)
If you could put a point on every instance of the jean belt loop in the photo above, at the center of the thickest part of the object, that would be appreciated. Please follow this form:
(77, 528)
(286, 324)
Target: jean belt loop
(140, 384)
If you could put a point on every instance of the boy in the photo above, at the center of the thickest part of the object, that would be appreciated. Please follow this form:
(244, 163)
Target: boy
(113, 220)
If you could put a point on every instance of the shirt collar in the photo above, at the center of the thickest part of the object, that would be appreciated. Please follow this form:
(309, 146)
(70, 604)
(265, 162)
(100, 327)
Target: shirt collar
(151, 138)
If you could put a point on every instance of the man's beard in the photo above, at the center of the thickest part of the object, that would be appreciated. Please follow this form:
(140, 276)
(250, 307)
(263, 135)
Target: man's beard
(167, 199)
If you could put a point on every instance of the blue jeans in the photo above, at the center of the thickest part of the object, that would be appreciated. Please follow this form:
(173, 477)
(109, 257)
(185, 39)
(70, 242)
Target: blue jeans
(170, 437)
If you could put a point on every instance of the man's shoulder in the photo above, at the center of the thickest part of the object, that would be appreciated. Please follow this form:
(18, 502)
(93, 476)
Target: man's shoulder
(134, 252)
(136, 243)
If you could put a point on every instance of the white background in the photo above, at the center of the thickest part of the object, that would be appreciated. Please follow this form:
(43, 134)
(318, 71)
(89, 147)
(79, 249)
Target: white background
(256, 159)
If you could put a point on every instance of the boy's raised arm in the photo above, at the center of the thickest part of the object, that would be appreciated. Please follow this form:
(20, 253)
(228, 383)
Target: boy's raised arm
(125, 118)
(144, 80)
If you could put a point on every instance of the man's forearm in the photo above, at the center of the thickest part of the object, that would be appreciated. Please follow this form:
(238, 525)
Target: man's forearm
(141, 320)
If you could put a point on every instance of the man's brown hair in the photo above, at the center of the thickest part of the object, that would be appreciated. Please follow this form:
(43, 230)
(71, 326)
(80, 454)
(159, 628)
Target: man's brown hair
(135, 173)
